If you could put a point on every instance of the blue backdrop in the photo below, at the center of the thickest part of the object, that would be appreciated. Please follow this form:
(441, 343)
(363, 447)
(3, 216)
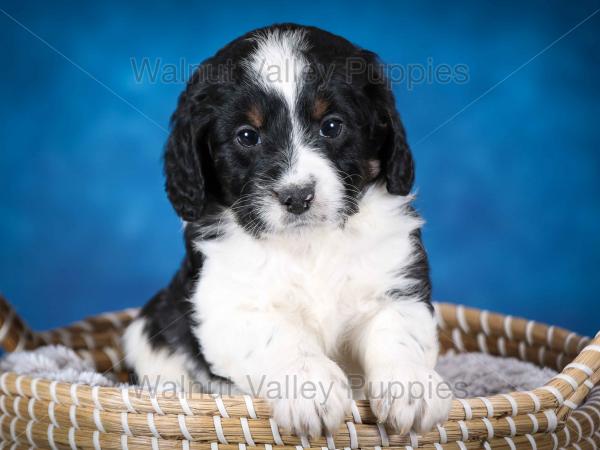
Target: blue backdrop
(508, 160)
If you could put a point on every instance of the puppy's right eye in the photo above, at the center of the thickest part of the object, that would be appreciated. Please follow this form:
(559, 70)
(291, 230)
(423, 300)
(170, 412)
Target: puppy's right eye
(331, 128)
(248, 137)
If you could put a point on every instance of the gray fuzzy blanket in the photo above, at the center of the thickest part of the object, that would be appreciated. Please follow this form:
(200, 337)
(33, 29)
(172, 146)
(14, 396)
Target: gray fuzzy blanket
(469, 374)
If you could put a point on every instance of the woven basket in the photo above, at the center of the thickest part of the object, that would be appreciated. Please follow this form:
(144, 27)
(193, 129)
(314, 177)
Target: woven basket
(49, 414)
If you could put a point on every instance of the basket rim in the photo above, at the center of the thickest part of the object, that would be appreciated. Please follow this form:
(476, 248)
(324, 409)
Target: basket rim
(463, 328)
(456, 318)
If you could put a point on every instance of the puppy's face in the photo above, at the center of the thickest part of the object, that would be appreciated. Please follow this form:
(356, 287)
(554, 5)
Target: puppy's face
(285, 127)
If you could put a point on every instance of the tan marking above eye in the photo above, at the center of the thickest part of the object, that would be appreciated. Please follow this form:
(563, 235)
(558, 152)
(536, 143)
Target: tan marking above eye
(320, 108)
(255, 117)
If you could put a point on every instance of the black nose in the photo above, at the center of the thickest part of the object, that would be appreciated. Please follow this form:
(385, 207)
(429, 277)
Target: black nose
(296, 199)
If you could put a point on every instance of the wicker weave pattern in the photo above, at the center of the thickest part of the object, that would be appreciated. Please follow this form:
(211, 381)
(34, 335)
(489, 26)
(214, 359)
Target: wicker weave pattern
(42, 413)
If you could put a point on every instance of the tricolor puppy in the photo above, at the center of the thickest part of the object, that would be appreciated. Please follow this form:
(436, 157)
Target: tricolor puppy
(290, 168)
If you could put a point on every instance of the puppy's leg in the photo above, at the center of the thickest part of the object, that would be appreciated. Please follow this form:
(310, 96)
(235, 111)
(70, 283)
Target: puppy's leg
(269, 357)
(397, 348)
(156, 368)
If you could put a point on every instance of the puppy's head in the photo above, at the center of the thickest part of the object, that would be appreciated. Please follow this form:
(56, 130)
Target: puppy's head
(285, 127)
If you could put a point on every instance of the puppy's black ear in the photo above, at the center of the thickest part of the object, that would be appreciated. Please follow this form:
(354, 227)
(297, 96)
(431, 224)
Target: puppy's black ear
(397, 161)
(397, 165)
(186, 147)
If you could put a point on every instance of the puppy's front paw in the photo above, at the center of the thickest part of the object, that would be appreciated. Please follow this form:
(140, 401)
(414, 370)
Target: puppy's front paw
(317, 398)
(408, 397)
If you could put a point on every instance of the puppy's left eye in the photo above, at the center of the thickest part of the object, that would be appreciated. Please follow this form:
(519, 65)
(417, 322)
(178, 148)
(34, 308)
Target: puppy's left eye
(331, 128)
(248, 137)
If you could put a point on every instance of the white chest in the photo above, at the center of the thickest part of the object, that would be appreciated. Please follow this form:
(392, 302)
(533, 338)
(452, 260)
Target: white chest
(324, 278)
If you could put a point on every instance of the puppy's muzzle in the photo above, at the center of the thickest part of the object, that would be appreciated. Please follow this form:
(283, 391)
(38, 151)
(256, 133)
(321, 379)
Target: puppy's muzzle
(296, 199)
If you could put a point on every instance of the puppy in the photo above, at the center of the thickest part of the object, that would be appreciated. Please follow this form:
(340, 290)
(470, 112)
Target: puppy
(304, 266)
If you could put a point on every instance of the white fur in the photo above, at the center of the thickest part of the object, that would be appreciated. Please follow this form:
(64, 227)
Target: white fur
(159, 366)
(307, 166)
(306, 302)
(164, 369)
(278, 63)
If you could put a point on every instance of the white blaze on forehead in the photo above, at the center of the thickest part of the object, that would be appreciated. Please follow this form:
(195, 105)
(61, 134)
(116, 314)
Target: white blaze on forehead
(279, 63)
